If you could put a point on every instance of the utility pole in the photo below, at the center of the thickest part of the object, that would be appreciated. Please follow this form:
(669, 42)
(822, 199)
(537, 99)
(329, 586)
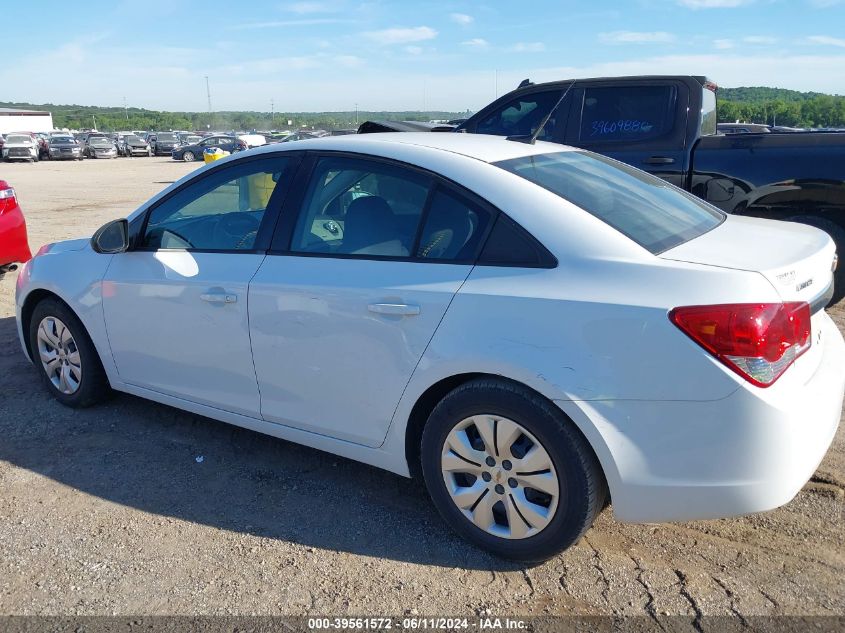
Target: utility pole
(125, 109)
(356, 115)
(208, 92)
(93, 118)
(272, 111)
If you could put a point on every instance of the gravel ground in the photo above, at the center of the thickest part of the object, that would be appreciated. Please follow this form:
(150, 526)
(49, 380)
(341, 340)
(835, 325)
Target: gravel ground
(110, 510)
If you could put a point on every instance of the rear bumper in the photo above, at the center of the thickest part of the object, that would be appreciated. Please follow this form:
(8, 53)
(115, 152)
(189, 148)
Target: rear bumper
(749, 452)
(14, 247)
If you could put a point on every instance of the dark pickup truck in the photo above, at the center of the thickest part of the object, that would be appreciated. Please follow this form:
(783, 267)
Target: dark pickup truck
(667, 125)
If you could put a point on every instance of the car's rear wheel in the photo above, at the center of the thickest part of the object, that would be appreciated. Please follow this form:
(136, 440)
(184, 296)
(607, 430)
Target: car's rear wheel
(189, 157)
(65, 356)
(509, 472)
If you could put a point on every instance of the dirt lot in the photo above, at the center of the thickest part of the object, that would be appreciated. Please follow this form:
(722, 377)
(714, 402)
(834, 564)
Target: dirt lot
(110, 511)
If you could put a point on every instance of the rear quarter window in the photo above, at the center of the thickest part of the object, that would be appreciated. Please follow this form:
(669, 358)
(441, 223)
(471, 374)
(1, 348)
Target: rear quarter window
(627, 113)
(648, 210)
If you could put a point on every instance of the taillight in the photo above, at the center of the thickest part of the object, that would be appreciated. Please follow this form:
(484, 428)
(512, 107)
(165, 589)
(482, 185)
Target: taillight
(8, 201)
(758, 341)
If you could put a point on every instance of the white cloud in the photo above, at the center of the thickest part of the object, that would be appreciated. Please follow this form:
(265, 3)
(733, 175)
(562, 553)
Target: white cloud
(310, 7)
(759, 39)
(527, 47)
(826, 40)
(636, 37)
(399, 35)
(723, 44)
(272, 24)
(476, 42)
(349, 61)
(714, 4)
(461, 18)
(414, 50)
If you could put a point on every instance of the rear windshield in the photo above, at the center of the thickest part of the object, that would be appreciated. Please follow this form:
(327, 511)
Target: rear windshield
(166, 137)
(12, 138)
(650, 211)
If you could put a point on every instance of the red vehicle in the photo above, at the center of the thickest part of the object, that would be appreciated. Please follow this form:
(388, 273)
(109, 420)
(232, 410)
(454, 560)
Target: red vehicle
(14, 247)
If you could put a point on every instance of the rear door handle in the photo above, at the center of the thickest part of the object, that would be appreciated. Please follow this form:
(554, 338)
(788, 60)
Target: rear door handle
(400, 309)
(219, 297)
(659, 160)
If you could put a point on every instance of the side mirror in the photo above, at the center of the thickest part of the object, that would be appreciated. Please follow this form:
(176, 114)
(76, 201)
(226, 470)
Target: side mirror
(112, 237)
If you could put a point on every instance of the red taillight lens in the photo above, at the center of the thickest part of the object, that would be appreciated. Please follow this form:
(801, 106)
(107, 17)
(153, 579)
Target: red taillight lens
(8, 201)
(759, 341)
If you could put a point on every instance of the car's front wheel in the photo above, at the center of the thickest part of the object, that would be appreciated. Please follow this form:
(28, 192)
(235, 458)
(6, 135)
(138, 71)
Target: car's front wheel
(189, 157)
(67, 360)
(509, 472)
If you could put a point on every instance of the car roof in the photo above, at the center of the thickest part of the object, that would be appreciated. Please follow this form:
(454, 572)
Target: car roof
(488, 149)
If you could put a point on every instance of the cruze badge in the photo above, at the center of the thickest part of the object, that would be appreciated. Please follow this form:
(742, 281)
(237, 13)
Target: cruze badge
(803, 285)
(786, 278)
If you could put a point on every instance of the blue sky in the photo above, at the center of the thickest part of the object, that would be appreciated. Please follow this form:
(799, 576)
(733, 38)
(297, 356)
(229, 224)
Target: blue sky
(316, 55)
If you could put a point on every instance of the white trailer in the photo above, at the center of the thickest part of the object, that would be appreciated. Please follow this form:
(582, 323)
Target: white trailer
(13, 120)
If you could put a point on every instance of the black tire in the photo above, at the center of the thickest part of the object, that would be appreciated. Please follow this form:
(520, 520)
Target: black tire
(94, 385)
(837, 234)
(189, 157)
(582, 485)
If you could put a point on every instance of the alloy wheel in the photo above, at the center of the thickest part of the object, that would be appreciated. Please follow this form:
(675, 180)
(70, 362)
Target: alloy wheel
(500, 476)
(59, 355)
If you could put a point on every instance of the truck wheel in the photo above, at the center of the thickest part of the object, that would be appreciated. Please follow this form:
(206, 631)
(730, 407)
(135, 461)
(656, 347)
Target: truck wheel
(837, 234)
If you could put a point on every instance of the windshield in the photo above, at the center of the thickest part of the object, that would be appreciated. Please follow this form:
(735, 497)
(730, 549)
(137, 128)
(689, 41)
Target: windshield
(650, 211)
(131, 138)
(99, 141)
(18, 138)
(190, 140)
(164, 136)
(62, 139)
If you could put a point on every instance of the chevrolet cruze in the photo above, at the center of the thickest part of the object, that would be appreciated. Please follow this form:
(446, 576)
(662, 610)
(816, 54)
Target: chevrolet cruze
(537, 331)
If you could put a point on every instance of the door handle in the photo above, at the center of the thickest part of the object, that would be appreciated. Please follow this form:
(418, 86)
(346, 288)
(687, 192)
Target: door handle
(219, 297)
(659, 160)
(396, 309)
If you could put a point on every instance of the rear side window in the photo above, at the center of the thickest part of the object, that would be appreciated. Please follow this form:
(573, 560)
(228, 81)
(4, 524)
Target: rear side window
(521, 116)
(627, 114)
(453, 228)
(650, 211)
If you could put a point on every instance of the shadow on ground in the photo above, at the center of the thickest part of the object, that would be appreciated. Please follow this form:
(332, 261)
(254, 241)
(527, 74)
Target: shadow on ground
(168, 462)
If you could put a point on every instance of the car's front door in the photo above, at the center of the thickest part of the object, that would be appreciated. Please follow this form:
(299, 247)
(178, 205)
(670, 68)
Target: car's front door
(358, 281)
(176, 304)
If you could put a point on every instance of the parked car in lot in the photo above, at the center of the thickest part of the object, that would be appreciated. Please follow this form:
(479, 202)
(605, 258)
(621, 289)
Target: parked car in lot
(14, 247)
(742, 128)
(531, 327)
(64, 148)
(132, 145)
(193, 152)
(100, 147)
(666, 125)
(163, 143)
(20, 146)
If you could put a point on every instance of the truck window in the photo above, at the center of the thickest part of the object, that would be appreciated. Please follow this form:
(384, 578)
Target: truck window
(627, 113)
(708, 112)
(650, 211)
(521, 116)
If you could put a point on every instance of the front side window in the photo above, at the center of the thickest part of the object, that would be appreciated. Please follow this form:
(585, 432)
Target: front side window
(221, 212)
(361, 207)
(521, 116)
(650, 211)
(627, 113)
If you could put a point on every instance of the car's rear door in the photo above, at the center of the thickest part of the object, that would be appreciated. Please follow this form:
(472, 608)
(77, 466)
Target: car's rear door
(365, 262)
(175, 305)
(639, 122)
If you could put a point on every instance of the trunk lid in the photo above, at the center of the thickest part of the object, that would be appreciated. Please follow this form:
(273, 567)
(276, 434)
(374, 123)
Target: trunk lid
(795, 258)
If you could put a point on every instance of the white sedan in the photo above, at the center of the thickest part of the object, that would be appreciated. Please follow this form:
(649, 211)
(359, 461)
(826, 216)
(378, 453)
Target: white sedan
(535, 330)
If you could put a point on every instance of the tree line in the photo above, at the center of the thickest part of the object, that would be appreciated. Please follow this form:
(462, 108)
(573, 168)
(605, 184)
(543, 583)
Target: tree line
(777, 106)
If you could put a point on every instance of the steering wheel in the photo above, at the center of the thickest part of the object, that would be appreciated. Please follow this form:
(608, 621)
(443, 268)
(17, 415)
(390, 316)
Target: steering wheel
(238, 229)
